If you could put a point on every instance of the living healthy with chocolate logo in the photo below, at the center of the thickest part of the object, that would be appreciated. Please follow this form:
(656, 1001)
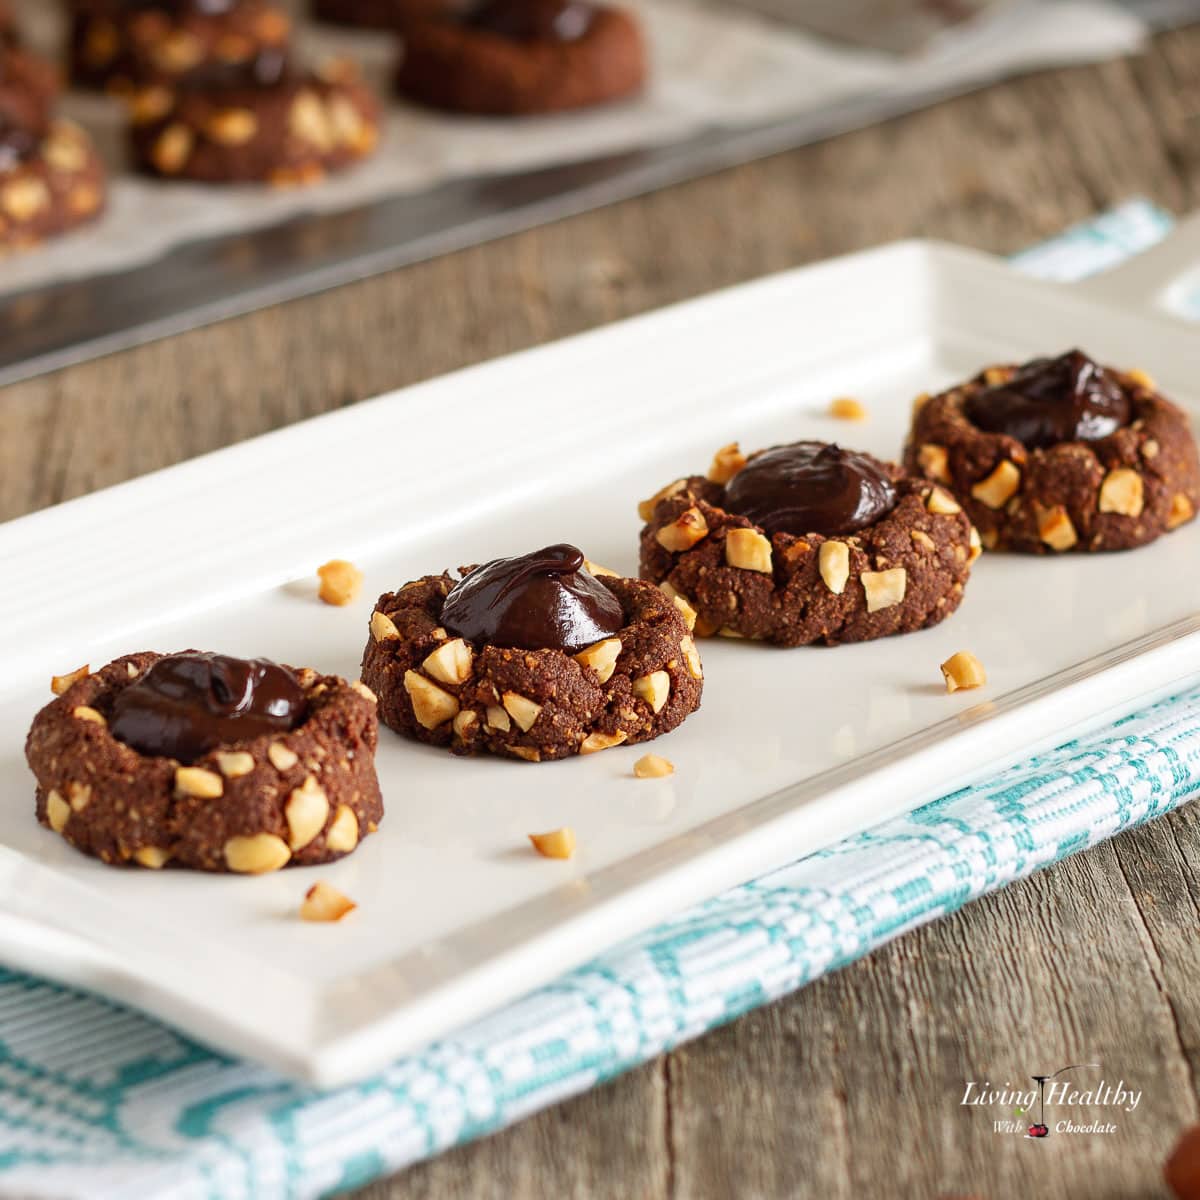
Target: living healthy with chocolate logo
(1033, 1109)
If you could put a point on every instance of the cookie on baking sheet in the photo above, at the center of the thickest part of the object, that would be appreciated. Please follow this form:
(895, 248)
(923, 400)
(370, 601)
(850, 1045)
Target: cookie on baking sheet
(51, 178)
(208, 762)
(514, 57)
(277, 126)
(538, 657)
(1060, 455)
(117, 45)
(806, 543)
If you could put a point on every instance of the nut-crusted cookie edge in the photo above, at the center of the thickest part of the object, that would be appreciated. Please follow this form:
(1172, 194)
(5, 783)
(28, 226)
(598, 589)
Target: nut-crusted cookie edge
(905, 572)
(290, 799)
(1116, 493)
(534, 705)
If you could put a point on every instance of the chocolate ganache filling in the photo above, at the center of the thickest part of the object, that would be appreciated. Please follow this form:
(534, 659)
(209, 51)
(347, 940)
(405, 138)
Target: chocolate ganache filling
(1052, 400)
(810, 487)
(188, 704)
(24, 111)
(533, 20)
(539, 601)
(268, 68)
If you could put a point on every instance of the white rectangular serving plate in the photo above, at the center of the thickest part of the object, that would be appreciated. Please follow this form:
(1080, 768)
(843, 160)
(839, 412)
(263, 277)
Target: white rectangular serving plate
(791, 750)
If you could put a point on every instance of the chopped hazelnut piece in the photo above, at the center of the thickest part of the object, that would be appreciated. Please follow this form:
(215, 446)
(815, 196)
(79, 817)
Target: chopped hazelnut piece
(232, 126)
(596, 569)
(450, 662)
(653, 766)
(1055, 528)
(85, 712)
(919, 401)
(1139, 378)
(601, 658)
(198, 782)
(884, 589)
(999, 487)
(1150, 448)
(522, 710)
(323, 902)
(79, 795)
(152, 857)
(464, 723)
(60, 683)
(726, 463)
(343, 831)
(942, 503)
(364, 691)
(833, 561)
(431, 706)
(340, 581)
(1181, 511)
(601, 741)
(749, 550)
(922, 539)
(306, 810)
(558, 843)
(646, 507)
(383, 628)
(1122, 493)
(498, 719)
(684, 532)
(994, 376)
(309, 122)
(528, 753)
(686, 608)
(257, 854)
(233, 764)
(692, 657)
(173, 148)
(976, 544)
(282, 757)
(149, 103)
(935, 462)
(963, 670)
(654, 688)
(846, 408)
(58, 812)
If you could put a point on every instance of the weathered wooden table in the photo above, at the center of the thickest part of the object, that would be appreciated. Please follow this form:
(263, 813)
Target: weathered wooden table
(852, 1087)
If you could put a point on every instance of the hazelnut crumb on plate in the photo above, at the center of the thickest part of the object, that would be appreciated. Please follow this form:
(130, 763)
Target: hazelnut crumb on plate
(846, 408)
(340, 581)
(963, 671)
(324, 903)
(653, 766)
(558, 843)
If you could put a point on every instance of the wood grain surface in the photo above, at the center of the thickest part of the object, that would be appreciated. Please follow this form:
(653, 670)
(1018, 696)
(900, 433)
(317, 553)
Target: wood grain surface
(850, 1088)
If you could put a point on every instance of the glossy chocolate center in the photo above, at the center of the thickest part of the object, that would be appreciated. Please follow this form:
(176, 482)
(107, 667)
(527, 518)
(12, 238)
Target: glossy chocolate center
(188, 704)
(209, 8)
(269, 67)
(533, 20)
(810, 487)
(1052, 400)
(544, 600)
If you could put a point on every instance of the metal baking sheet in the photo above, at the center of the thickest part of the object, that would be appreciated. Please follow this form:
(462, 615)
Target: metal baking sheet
(54, 326)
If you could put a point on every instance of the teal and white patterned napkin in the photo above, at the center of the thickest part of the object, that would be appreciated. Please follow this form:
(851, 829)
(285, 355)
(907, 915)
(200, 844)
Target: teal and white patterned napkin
(99, 1102)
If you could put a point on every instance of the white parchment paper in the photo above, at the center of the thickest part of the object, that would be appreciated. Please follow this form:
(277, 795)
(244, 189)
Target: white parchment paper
(710, 68)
